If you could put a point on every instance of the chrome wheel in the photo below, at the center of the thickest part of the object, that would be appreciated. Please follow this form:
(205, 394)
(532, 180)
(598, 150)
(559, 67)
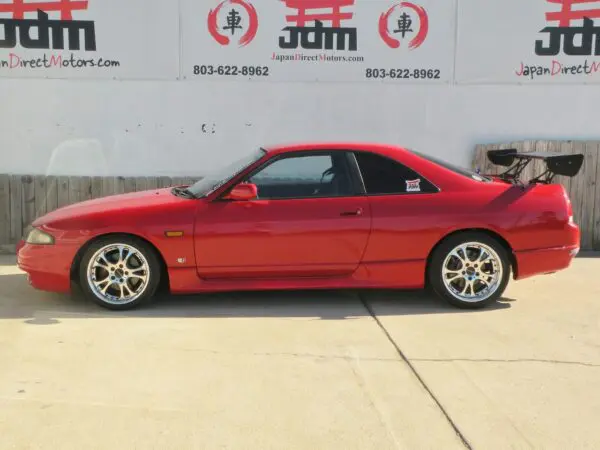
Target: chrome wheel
(472, 272)
(118, 274)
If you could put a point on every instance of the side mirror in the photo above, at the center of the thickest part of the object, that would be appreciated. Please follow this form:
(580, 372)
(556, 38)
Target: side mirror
(243, 192)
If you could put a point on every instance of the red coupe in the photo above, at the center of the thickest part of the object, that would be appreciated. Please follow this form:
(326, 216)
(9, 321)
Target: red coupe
(315, 216)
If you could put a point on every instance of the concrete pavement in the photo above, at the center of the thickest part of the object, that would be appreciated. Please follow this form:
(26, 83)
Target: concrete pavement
(526, 375)
(303, 370)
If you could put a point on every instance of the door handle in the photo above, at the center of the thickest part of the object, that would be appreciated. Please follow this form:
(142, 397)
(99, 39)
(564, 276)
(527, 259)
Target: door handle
(356, 212)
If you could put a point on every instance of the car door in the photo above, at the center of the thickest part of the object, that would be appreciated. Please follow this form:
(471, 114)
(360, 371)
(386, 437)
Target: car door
(309, 220)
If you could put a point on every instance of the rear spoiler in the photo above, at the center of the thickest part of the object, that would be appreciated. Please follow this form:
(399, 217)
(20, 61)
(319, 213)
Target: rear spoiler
(567, 165)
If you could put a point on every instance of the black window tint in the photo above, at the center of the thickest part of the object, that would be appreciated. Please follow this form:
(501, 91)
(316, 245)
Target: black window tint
(306, 176)
(384, 176)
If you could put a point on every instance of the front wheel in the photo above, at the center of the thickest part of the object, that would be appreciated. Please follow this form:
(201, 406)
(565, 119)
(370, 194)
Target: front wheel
(469, 270)
(119, 272)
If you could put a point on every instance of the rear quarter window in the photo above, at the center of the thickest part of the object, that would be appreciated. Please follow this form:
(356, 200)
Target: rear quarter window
(383, 176)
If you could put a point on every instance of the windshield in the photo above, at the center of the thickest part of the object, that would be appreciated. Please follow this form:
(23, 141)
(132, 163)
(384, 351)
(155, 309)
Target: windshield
(452, 167)
(217, 178)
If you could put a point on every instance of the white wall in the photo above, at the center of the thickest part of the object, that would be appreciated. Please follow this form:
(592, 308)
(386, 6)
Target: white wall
(153, 128)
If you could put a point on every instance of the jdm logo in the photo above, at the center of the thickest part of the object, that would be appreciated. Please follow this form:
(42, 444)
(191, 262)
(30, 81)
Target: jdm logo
(567, 34)
(233, 18)
(320, 36)
(404, 21)
(44, 32)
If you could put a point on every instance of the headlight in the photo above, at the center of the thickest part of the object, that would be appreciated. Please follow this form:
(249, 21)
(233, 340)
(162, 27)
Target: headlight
(38, 237)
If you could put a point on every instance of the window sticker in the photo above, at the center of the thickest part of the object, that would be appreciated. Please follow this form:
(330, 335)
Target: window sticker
(413, 185)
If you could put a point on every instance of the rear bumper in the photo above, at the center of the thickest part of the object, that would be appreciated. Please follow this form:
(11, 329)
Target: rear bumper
(543, 261)
(48, 267)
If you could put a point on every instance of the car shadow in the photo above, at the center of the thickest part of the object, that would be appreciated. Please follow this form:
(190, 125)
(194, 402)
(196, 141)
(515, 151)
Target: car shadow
(18, 300)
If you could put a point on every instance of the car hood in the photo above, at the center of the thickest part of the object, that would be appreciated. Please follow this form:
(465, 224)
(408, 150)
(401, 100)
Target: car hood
(121, 203)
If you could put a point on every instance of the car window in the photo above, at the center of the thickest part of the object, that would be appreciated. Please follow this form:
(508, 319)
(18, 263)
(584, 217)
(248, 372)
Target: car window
(305, 176)
(382, 175)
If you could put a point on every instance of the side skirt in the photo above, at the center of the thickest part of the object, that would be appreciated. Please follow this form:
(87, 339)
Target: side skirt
(371, 275)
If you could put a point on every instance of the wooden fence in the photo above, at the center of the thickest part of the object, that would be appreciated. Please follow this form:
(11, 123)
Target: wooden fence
(23, 197)
(583, 189)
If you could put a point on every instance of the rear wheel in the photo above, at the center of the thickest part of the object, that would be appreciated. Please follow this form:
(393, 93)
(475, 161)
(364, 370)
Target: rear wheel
(469, 270)
(119, 272)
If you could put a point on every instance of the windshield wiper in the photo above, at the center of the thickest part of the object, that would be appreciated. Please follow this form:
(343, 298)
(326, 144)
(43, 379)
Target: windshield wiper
(183, 192)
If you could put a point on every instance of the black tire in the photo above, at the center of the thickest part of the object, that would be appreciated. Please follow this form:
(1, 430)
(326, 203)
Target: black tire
(153, 273)
(435, 268)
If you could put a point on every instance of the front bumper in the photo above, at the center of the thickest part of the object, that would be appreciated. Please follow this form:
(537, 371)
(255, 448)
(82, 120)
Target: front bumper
(48, 267)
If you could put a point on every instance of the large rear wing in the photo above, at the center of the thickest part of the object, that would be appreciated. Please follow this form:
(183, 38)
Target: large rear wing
(556, 164)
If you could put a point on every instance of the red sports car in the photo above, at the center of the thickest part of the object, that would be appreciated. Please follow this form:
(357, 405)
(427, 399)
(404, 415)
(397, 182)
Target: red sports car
(315, 216)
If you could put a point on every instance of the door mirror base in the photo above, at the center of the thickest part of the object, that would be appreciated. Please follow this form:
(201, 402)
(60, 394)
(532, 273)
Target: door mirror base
(243, 192)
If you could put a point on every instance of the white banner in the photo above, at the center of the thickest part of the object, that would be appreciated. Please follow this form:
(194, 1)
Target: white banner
(89, 39)
(528, 41)
(319, 40)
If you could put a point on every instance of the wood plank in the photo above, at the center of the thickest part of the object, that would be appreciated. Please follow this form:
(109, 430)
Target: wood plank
(28, 199)
(63, 191)
(74, 190)
(141, 184)
(40, 195)
(480, 161)
(108, 186)
(85, 188)
(129, 184)
(576, 187)
(475, 160)
(164, 182)
(152, 182)
(589, 174)
(16, 209)
(51, 193)
(4, 209)
(486, 166)
(96, 187)
(119, 185)
(596, 206)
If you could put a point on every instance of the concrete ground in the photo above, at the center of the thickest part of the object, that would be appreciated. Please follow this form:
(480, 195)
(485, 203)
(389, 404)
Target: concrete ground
(303, 370)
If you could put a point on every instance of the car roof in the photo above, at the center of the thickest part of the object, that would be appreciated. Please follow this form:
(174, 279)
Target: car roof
(385, 149)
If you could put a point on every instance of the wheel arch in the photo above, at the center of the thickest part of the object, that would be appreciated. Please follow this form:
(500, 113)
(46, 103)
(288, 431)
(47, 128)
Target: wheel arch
(493, 234)
(164, 278)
